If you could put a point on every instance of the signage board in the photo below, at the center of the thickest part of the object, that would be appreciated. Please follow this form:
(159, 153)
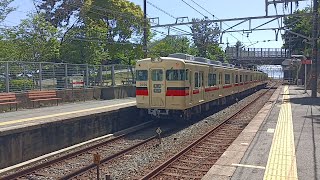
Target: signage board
(307, 61)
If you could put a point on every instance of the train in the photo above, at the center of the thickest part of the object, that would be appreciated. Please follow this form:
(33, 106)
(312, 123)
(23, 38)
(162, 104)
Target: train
(183, 85)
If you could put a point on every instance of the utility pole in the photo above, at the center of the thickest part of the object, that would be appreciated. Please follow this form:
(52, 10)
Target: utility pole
(145, 33)
(314, 69)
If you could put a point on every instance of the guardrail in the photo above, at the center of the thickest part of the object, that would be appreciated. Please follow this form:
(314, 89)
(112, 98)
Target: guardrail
(257, 53)
(25, 76)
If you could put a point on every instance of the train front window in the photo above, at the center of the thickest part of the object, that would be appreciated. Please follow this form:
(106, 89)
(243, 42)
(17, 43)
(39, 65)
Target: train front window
(176, 75)
(157, 75)
(142, 75)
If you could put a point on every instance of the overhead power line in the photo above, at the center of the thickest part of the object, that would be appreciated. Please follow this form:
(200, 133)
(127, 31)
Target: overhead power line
(202, 8)
(194, 9)
(165, 12)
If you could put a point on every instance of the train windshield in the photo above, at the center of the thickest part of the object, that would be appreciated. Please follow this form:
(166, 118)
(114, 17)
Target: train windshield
(176, 75)
(142, 75)
(157, 75)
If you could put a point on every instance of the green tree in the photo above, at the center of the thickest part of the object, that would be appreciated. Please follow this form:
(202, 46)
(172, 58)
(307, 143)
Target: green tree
(5, 9)
(34, 39)
(107, 28)
(169, 45)
(204, 35)
(301, 25)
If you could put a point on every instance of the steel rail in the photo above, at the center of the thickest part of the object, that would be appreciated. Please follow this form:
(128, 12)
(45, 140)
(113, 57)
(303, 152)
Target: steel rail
(164, 165)
(105, 160)
(62, 158)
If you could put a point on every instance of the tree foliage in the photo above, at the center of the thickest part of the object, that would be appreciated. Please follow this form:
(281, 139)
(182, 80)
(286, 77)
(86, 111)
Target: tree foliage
(301, 25)
(5, 9)
(205, 37)
(97, 30)
(169, 45)
(34, 39)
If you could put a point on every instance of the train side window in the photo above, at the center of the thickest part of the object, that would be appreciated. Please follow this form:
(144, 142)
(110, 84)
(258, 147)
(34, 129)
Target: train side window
(251, 77)
(227, 79)
(142, 75)
(157, 75)
(246, 78)
(237, 80)
(187, 74)
(240, 79)
(176, 75)
(212, 79)
(232, 78)
(196, 80)
(220, 78)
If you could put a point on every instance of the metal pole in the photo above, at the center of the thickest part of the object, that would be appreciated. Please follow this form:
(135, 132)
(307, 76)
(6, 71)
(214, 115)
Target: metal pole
(100, 78)
(40, 76)
(7, 77)
(145, 33)
(314, 70)
(112, 76)
(66, 76)
(305, 78)
(87, 75)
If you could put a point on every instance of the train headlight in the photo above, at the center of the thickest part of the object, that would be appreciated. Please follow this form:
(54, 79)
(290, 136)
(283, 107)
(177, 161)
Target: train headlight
(157, 86)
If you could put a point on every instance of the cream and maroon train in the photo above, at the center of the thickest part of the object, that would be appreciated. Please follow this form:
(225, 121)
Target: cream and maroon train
(182, 85)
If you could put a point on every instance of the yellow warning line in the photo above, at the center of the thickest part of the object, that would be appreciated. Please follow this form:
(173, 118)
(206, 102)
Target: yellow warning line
(63, 114)
(282, 158)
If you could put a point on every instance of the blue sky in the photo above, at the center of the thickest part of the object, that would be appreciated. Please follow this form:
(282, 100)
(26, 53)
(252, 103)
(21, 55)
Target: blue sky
(177, 8)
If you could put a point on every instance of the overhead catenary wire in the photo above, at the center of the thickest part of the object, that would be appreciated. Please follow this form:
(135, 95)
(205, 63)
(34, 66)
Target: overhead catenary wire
(194, 8)
(168, 14)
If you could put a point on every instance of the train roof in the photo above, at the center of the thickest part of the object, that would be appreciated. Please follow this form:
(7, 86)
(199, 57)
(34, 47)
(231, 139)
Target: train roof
(186, 58)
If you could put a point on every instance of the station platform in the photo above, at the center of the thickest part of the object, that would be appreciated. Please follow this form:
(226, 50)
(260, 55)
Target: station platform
(281, 142)
(30, 133)
(30, 117)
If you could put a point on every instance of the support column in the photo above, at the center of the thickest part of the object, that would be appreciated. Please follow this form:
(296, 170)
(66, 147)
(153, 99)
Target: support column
(314, 68)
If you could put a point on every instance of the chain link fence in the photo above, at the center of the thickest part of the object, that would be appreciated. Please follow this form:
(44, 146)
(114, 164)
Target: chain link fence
(26, 76)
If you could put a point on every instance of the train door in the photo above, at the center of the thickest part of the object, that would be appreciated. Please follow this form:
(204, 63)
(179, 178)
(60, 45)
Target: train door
(202, 88)
(157, 88)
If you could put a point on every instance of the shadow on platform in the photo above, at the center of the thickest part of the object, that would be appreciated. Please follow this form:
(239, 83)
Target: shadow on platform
(306, 101)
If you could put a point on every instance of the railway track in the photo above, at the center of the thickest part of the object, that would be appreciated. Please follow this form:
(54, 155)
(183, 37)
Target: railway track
(194, 161)
(78, 162)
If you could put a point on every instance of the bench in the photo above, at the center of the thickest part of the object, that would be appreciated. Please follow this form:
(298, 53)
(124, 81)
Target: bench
(8, 99)
(35, 96)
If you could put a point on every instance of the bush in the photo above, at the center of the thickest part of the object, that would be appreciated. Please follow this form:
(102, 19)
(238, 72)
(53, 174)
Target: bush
(2, 86)
(21, 85)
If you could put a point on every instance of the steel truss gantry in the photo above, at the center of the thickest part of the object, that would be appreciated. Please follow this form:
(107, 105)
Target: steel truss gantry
(230, 29)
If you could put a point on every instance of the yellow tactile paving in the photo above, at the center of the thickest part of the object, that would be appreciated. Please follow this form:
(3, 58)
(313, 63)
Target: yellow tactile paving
(282, 158)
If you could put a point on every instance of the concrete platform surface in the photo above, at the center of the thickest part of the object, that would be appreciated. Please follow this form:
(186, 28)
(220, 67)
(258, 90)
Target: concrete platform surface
(281, 142)
(30, 117)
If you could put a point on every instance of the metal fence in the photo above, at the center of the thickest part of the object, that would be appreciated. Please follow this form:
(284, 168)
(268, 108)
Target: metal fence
(26, 76)
(257, 52)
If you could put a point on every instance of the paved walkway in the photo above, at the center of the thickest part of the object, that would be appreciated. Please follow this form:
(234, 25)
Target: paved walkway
(28, 117)
(282, 141)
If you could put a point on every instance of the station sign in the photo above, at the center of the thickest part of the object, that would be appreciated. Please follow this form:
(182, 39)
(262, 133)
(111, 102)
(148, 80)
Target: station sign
(307, 61)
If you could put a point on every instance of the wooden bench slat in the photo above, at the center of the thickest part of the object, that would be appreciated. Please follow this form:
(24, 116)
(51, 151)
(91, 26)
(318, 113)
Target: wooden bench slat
(8, 99)
(37, 96)
(45, 99)
(42, 96)
(7, 96)
(11, 102)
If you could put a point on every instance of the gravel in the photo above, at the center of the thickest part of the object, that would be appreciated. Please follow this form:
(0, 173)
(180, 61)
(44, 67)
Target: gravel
(137, 163)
